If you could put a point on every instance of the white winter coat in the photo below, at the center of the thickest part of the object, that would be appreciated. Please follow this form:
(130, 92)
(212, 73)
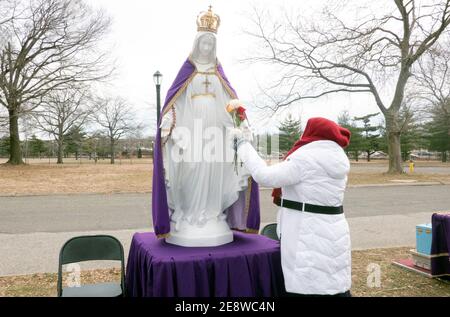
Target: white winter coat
(315, 248)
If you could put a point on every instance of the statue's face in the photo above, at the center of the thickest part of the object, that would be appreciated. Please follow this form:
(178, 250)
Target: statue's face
(206, 45)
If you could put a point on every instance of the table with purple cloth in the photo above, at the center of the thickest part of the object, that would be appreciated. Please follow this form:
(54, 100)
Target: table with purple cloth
(440, 245)
(250, 266)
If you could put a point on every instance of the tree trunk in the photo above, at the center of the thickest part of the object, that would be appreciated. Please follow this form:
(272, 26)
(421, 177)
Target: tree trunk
(394, 148)
(393, 130)
(368, 156)
(112, 150)
(15, 153)
(60, 152)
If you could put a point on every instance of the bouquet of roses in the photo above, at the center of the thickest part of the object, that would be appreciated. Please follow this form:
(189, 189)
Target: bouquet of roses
(237, 111)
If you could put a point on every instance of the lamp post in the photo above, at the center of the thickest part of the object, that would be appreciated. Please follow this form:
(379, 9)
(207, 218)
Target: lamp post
(157, 78)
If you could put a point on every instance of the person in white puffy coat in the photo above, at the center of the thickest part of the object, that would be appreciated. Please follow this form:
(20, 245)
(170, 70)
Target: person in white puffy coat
(314, 233)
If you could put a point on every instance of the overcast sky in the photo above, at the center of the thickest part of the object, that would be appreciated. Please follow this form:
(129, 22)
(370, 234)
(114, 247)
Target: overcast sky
(158, 35)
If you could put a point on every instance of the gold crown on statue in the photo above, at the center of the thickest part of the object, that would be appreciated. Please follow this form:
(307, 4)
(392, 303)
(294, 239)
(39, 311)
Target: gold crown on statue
(208, 21)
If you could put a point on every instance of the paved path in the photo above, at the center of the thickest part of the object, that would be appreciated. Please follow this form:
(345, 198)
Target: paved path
(65, 213)
(32, 229)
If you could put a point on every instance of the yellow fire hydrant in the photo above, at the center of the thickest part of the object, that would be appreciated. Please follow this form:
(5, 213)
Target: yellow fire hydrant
(411, 166)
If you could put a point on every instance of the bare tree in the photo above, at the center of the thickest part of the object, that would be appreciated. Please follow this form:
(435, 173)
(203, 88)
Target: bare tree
(61, 111)
(6, 11)
(53, 43)
(116, 119)
(5, 16)
(374, 54)
(432, 80)
(3, 121)
(432, 89)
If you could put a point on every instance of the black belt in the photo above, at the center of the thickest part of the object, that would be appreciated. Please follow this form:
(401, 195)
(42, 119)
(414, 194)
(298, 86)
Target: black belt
(327, 210)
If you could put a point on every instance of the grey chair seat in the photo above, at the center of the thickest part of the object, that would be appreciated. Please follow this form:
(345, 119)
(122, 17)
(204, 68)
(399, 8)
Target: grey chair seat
(93, 290)
(270, 231)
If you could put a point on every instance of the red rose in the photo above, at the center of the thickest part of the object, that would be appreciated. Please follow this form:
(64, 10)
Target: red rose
(241, 113)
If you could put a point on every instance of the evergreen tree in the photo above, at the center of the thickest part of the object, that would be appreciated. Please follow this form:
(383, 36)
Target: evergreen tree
(73, 141)
(290, 131)
(102, 146)
(412, 133)
(37, 146)
(356, 141)
(382, 140)
(4, 146)
(439, 130)
(89, 146)
(370, 138)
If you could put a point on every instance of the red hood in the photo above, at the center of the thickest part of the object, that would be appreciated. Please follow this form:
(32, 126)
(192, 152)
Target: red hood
(318, 129)
(321, 129)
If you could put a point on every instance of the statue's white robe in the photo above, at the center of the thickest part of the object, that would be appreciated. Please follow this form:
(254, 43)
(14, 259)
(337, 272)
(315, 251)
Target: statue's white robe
(200, 178)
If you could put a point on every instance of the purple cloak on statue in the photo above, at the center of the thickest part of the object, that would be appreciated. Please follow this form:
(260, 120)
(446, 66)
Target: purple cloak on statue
(160, 208)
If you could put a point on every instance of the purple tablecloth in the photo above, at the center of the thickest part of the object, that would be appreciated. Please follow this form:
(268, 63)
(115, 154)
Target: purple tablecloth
(440, 245)
(249, 266)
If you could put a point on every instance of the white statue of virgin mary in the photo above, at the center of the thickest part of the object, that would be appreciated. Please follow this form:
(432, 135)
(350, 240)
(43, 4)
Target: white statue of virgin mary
(200, 180)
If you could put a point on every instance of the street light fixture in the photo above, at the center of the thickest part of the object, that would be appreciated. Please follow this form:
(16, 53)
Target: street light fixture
(157, 78)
